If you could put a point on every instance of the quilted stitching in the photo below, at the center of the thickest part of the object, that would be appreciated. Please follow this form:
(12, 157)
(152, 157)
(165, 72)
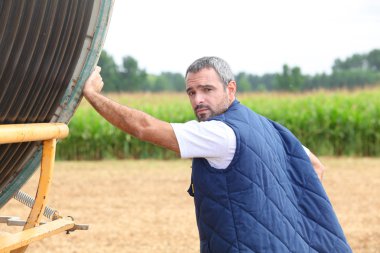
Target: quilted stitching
(286, 220)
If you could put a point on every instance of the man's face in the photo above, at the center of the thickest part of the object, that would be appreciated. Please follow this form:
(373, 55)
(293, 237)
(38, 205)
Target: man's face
(208, 95)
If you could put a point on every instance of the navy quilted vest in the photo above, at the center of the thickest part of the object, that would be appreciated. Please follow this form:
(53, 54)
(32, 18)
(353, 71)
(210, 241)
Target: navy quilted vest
(269, 199)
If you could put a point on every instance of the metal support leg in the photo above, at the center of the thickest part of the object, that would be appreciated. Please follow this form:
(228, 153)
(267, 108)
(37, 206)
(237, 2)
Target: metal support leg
(47, 166)
(34, 230)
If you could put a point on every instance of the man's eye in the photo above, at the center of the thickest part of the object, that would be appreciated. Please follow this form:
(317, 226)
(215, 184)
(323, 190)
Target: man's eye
(191, 93)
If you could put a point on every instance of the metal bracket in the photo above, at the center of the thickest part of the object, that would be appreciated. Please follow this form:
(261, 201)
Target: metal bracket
(16, 221)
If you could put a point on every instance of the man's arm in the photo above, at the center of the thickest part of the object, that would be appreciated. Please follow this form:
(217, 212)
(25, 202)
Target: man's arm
(131, 121)
(319, 168)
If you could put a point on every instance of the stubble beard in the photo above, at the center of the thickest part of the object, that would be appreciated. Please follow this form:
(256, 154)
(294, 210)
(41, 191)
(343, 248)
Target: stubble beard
(220, 108)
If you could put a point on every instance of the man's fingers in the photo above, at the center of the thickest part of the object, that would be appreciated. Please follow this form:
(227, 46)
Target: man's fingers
(96, 73)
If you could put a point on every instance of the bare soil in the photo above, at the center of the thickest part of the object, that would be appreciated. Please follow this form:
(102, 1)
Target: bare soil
(142, 206)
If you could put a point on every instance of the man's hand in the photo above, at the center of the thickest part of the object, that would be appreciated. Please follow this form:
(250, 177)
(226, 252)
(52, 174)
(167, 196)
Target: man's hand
(94, 83)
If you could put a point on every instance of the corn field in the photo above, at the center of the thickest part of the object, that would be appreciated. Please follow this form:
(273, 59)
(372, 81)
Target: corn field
(338, 123)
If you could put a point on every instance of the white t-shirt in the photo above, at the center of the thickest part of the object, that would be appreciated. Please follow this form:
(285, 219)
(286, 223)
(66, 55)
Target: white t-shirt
(213, 140)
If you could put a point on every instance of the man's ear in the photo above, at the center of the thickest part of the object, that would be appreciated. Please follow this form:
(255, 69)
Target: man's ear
(231, 90)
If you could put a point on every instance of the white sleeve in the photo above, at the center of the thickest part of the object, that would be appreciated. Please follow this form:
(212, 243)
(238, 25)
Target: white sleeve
(308, 152)
(213, 140)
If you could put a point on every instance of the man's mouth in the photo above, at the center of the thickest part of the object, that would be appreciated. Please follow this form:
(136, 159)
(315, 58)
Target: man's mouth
(201, 108)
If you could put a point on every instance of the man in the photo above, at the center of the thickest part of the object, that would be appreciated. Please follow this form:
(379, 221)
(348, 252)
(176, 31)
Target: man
(255, 187)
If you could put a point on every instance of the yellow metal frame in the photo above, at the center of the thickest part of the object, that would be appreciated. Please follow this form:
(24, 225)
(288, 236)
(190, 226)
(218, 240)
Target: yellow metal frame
(33, 231)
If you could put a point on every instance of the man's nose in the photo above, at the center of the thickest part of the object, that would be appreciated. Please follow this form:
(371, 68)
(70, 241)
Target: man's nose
(199, 99)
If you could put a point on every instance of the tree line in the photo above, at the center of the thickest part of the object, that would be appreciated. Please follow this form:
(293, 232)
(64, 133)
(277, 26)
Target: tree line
(358, 70)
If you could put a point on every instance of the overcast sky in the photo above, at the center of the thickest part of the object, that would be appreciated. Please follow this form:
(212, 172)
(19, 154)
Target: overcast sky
(255, 36)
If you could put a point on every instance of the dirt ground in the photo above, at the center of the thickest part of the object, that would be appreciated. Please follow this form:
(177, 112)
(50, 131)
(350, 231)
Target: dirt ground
(143, 206)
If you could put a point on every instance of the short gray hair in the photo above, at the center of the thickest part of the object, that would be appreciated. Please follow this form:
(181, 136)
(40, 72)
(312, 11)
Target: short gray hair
(220, 66)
